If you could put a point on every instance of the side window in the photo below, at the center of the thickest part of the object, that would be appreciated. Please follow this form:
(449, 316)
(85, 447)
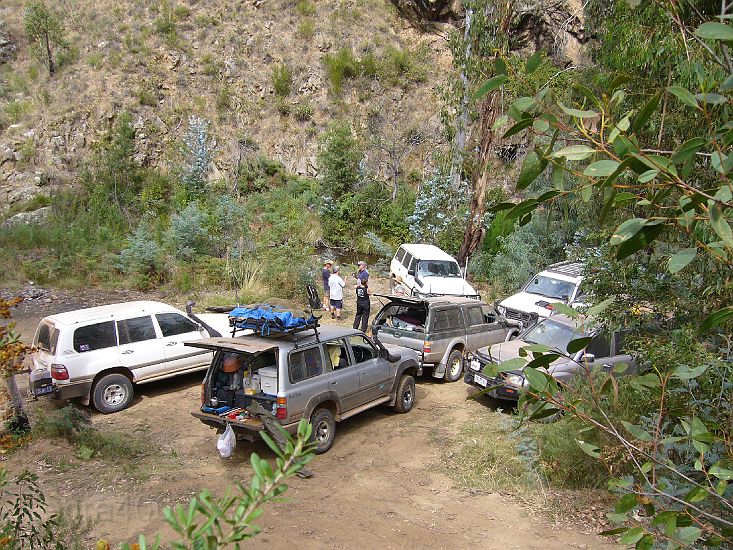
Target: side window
(440, 320)
(489, 314)
(400, 254)
(600, 346)
(337, 355)
(175, 323)
(137, 329)
(455, 319)
(406, 260)
(475, 316)
(304, 364)
(362, 348)
(93, 337)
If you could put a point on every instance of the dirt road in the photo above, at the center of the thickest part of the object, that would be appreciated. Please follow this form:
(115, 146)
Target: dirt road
(381, 485)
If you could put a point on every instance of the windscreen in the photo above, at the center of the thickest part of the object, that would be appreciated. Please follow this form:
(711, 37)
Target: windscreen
(552, 288)
(438, 268)
(551, 334)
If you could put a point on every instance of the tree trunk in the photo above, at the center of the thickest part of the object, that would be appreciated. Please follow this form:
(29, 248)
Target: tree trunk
(51, 67)
(462, 122)
(474, 230)
(19, 422)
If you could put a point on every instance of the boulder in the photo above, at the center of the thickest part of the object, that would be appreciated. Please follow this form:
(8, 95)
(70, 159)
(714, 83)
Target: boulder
(37, 217)
(425, 13)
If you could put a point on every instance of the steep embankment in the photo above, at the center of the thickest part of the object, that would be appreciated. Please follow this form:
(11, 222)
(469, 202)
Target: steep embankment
(164, 61)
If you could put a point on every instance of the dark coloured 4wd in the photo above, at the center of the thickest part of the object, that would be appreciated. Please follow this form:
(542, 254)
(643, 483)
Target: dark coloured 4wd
(325, 377)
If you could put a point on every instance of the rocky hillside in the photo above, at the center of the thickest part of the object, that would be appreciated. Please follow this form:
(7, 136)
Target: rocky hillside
(164, 61)
(269, 74)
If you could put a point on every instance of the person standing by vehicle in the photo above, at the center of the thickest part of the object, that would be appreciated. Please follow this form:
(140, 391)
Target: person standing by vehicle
(362, 304)
(336, 293)
(325, 275)
(362, 274)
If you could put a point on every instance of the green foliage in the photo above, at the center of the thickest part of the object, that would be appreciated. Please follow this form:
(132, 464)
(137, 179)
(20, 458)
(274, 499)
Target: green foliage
(209, 523)
(259, 174)
(188, 234)
(45, 30)
(143, 254)
(304, 111)
(339, 155)
(306, 29)
(306, 8)
(282, 80)
(340, 66)
(197, 151)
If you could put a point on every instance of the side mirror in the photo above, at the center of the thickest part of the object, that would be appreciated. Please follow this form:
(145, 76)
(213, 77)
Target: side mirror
(411, 272)
(565, 298)
(588, 357)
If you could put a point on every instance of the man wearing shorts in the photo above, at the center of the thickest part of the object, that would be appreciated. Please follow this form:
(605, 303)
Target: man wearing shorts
(336, 293)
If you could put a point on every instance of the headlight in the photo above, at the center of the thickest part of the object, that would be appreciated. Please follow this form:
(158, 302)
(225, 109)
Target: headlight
(515, 380)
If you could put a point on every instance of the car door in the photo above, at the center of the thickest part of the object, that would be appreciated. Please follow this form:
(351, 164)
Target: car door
(176, 330)
(482, 329)
(343, 378)
(372, 368)
(603, 359)
(140, 348)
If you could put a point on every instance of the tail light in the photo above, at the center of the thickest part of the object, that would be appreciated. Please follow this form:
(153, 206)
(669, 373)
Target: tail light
(59, 372)
(281, 408)
(427, 346)
(202, 393)
(550, 307)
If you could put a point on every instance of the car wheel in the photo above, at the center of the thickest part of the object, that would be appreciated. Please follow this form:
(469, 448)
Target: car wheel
(112, 393)
(324, 430)
(405, 397)
(454, 366)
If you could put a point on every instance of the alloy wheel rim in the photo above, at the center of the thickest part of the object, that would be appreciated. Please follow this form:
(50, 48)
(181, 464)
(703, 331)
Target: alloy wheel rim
(114, 394)
(322, 431)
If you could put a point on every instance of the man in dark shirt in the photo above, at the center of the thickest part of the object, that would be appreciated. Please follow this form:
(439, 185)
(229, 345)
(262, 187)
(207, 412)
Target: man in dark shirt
(325, 275)
(362, 274)
(362, 305)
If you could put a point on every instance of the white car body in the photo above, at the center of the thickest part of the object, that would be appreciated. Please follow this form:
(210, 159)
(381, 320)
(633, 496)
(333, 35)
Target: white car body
(426, 270)
(558, 283)
(142, 340)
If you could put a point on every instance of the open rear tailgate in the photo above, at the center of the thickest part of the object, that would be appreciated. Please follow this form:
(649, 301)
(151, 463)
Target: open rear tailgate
(252, 346)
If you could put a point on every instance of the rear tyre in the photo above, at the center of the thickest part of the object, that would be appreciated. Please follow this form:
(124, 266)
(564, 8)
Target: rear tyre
(405, 397)
(324, 430)
(454, 366)
(112, 393)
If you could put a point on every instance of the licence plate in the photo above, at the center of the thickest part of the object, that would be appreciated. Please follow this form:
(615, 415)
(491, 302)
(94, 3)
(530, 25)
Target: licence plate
(43, 390)
(480, 380)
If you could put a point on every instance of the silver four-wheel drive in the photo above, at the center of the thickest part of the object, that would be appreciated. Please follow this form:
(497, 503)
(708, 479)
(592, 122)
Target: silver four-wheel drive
(441, 330)
(325, 377)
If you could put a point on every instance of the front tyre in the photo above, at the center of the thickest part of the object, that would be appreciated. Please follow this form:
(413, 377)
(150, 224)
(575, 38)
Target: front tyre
(405, 398)
(112, 393)
(454, 366)
(324, 430)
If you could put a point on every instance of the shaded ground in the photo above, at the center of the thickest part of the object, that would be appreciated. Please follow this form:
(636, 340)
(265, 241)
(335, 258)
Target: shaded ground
(383, 484)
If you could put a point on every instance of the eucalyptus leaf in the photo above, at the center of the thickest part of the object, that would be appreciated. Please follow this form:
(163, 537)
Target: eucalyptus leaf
(681, 259)
(601, 168)
(578, 113)
(490, 85)
(715, 31)
(627, 230)
(574, 152)
(587, 448)
(684, 96)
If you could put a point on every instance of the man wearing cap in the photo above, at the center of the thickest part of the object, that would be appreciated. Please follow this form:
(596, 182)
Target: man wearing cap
(325, 275)
(362, 274)
(336, 293)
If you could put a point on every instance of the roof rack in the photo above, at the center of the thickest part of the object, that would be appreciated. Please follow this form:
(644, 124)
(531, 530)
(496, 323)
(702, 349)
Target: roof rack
(272, 328)
(572, 269)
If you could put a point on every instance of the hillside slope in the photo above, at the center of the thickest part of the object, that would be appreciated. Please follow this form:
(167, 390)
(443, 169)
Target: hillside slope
(162, 62)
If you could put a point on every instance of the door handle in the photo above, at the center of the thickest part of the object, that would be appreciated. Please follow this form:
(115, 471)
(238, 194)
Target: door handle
(364, 372)
(128, 351)
(333, 383)
(171, 343)
(607, 366)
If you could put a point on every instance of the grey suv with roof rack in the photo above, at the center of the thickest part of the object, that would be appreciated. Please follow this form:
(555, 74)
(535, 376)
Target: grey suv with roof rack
(324, 376)
(441, 329)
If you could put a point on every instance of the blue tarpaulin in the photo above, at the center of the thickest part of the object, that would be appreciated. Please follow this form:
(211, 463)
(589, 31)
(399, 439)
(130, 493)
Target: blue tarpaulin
(268, 319)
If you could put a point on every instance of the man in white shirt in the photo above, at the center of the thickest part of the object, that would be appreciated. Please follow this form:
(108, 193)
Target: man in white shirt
(336, 293)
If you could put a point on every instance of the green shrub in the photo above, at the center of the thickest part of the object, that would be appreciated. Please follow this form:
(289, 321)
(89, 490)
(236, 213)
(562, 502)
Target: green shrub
(188, 235)
(165, 25)
(16, 109)
(304, 111)
(224, 100)
(212, 66)
(283, 107)
(306, 29)
(181, 12)
(282, 80)
(143, 254)
(340, 66)
(95, 59)
(339, 155)
(259, 174)
(306, 8)
(147, 96)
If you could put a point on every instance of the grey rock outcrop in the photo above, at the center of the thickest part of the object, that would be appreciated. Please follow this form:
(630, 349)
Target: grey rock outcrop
(37, 217)
(424, 13)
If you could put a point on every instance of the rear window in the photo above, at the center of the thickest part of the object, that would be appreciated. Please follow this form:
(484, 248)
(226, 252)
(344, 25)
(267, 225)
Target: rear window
(407, 259)
(47, 338)
(403, 317)
(175, 323)
(305, 364)
(137, 329)
(94, 337)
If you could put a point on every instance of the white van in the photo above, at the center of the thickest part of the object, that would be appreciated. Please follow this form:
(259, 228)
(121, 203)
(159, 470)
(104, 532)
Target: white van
(98, 353)
(425, 270)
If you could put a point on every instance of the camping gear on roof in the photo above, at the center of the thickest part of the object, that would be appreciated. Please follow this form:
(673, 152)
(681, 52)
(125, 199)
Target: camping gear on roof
(271, 318)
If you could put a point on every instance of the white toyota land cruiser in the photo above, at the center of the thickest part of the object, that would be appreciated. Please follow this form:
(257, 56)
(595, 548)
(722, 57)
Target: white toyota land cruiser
(98, 353)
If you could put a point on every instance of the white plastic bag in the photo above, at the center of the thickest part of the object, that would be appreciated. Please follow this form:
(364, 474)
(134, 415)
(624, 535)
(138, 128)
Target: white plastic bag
(227, 442)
